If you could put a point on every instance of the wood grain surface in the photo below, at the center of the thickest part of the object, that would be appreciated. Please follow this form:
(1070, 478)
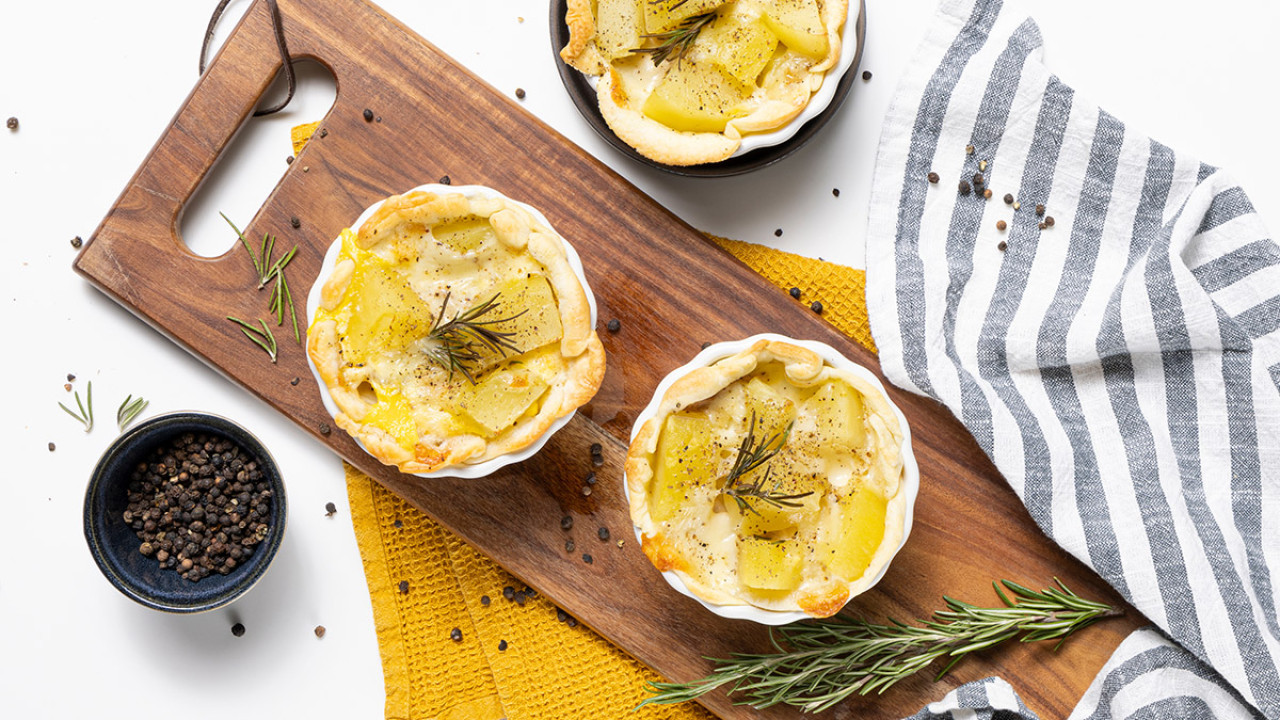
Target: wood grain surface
(669, 287)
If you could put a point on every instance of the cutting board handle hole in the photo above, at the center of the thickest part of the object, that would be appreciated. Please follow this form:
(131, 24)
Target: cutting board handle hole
(253, 164)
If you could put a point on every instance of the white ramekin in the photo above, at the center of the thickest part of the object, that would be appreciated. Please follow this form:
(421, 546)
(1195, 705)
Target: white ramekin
(910, 470)
(466, 470)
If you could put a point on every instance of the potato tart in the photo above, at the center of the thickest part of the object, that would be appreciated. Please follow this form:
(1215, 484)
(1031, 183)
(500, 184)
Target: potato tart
(453, 329)
(683, 81)
(773, 479)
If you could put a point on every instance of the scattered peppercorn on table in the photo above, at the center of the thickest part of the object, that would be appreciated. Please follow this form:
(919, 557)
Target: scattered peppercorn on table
(305, 641)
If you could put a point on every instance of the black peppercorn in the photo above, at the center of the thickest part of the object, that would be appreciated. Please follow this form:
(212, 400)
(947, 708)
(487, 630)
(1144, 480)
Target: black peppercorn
(404, 587)
(568, 546)
(508, 592)
(795, 292)
(52, 447)
(596, 448)
(484, 600)
(835, 192)
(237, 630)
(295, 381)
(1048, 221)
(520, 93)
(502, 645)
(816, 307)
(566, 522)
(614, 325)
(591, 478)
(76, 242)
(1008, 198)
(1003, 246)
(330, 509)
(964, 187)
(444, 180)
(1039, 209)
(325, 429)
(866, 74)
(368, 115)
(978, 179)
(586, 558)
(455, 635)
(933, 177)
(295, 222)
(11, 123)
(603, 533)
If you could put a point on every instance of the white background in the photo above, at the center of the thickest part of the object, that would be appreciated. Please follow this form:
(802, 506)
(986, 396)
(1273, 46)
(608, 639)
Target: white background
(95, 83)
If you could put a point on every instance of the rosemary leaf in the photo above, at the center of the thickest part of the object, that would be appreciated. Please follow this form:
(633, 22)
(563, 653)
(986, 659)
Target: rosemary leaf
(129, 410)
(461, 343)
(750, 457)
(261, 337)
(676, 41)
(819, 664)
(257, 264)
(85, 416)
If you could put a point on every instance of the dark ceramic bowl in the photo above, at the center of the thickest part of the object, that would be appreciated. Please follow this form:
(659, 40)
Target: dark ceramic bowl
(582, 91)
(114, 544)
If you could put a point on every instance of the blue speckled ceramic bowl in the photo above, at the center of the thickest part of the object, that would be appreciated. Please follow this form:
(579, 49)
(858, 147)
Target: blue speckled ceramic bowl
(114, 545)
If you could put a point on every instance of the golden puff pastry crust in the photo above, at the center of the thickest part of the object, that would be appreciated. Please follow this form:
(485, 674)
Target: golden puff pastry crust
(703, 539)
(626, 80)
(397, 276)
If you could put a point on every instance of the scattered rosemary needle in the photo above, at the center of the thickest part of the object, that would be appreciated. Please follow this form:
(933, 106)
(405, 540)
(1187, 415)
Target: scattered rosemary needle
(819, 664)
(261, 337)
(676, 41)
(129, 410)
(750, 457)
(268, 270)
(85, 416)
(459, 344)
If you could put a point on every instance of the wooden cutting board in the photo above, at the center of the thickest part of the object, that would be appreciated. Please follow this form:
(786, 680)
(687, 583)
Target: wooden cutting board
(669, 287)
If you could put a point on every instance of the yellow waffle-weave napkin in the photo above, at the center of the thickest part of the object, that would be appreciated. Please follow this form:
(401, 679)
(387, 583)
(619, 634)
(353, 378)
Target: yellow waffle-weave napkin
(549, 670)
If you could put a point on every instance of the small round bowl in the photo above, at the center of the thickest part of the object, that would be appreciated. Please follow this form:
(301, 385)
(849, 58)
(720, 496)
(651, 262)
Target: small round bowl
(114, 545)
(910, 470)
(757, 150)
(473, 470)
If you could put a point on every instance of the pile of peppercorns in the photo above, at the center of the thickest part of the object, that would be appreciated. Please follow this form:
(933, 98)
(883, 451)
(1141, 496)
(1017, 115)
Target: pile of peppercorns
(200, 504)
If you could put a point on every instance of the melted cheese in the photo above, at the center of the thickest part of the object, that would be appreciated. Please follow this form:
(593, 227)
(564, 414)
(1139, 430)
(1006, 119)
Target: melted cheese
(840, 464)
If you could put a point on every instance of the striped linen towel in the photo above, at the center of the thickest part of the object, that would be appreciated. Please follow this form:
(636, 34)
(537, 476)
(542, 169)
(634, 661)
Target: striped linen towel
(1119, 363)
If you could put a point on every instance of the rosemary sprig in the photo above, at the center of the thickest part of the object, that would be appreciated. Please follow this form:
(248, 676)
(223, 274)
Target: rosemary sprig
(268, 270)
(459, 344)
(129, 410)
(85, 416)
(261, 337)
(750, 457)
(817, 665)
(676, 41)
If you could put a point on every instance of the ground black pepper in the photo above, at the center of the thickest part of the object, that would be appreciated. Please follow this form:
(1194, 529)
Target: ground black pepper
(795, 292)
(368, 115)
(933, 177)
(237, 630)
(816, 307)
(199, 504)
(614, 325)
(76, 242)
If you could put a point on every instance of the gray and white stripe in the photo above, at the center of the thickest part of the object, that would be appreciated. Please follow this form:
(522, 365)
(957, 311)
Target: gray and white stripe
(1121, 368)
